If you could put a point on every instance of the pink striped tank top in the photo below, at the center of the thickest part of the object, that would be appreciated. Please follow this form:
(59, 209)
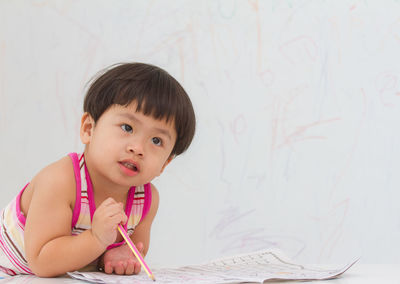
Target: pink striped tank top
(12, 220)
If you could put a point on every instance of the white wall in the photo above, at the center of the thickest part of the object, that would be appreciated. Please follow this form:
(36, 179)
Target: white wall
(298, 108)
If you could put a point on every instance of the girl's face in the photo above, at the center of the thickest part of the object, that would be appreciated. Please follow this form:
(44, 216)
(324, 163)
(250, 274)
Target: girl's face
(125, 147)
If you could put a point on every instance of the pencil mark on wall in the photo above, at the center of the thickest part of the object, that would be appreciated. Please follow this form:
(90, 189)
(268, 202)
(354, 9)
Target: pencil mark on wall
(267, 77)
(395, 30)
(258, 179)
(332, 227)
(388, 88)
(338, 211)
(347, 161)
(61, 105)
(63, 12)
(302, 48)
(238, 127)
(230, 230)
(298, 135)
(256, 8)
(144, 23)
(286, 129)
(223, 155)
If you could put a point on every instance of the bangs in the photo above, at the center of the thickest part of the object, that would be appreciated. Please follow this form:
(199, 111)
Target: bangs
(156, 98)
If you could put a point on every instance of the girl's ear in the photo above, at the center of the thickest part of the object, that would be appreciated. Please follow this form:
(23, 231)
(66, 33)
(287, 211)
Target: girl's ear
(170, 158)
(87, 126)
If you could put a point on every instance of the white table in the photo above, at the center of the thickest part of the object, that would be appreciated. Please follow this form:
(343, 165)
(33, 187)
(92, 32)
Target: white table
(358, 274)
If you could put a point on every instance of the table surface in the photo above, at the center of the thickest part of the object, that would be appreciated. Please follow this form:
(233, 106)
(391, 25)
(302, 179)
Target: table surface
(359, 273)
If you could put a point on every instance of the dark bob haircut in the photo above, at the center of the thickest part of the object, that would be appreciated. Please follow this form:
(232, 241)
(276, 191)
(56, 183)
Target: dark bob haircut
(155, 91)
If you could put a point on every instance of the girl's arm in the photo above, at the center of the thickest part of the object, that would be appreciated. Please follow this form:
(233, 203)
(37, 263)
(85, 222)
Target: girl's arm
(50, 249)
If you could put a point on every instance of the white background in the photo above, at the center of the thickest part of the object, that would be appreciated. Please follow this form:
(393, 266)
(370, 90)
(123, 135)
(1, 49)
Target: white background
(298, 110)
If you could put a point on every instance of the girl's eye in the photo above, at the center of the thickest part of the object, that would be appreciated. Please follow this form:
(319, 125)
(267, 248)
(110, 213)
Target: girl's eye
(156, 141)
(126, 128)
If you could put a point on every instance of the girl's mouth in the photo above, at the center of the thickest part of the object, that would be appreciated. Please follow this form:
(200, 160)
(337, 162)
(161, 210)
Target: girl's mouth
(129, 168)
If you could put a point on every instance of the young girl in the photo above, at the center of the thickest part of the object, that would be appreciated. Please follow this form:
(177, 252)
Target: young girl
(136, 119)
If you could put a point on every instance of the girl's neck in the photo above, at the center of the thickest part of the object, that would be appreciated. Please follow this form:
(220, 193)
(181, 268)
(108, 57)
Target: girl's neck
(103, 188)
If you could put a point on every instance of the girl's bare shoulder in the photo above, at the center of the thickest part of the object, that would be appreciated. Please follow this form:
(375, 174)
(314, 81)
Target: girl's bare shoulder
(56, 180)
(59, 174)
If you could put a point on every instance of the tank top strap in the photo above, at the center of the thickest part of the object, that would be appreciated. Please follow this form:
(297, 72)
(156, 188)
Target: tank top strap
(84, 203)
(137, 204)
(129, 203)
(140, 206)
(77, 174)
(147, 200)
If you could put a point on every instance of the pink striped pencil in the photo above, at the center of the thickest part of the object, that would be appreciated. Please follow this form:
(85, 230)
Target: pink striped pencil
(135, 251)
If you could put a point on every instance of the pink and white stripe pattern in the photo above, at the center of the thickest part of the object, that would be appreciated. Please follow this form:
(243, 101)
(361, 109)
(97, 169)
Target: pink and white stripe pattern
(12, 220)
(13, 260)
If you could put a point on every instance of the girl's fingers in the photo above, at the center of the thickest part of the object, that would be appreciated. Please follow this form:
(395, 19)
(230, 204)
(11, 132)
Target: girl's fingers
(130, 267)
(110, 204)
(108, 268)
(110, 211)
(119, 218)
(107, 202)
(137, 268)
(140, 246)
(119, 268)
(113, 209)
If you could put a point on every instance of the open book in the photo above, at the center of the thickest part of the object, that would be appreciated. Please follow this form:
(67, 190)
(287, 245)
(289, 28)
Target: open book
(254, 267)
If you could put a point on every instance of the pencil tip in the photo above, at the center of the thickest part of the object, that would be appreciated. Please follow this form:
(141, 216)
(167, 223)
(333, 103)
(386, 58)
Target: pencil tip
(152, 277)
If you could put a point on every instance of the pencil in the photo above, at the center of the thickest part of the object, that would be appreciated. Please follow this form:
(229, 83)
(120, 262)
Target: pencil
(135, 252)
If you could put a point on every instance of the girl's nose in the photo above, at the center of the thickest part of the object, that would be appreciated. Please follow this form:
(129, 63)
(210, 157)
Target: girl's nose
(136, 148)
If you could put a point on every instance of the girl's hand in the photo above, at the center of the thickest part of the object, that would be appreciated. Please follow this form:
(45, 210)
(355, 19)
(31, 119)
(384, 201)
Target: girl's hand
(121, 260)
(106, 219)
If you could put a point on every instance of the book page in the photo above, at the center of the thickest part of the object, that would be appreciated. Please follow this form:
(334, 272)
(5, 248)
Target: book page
(254, 267)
